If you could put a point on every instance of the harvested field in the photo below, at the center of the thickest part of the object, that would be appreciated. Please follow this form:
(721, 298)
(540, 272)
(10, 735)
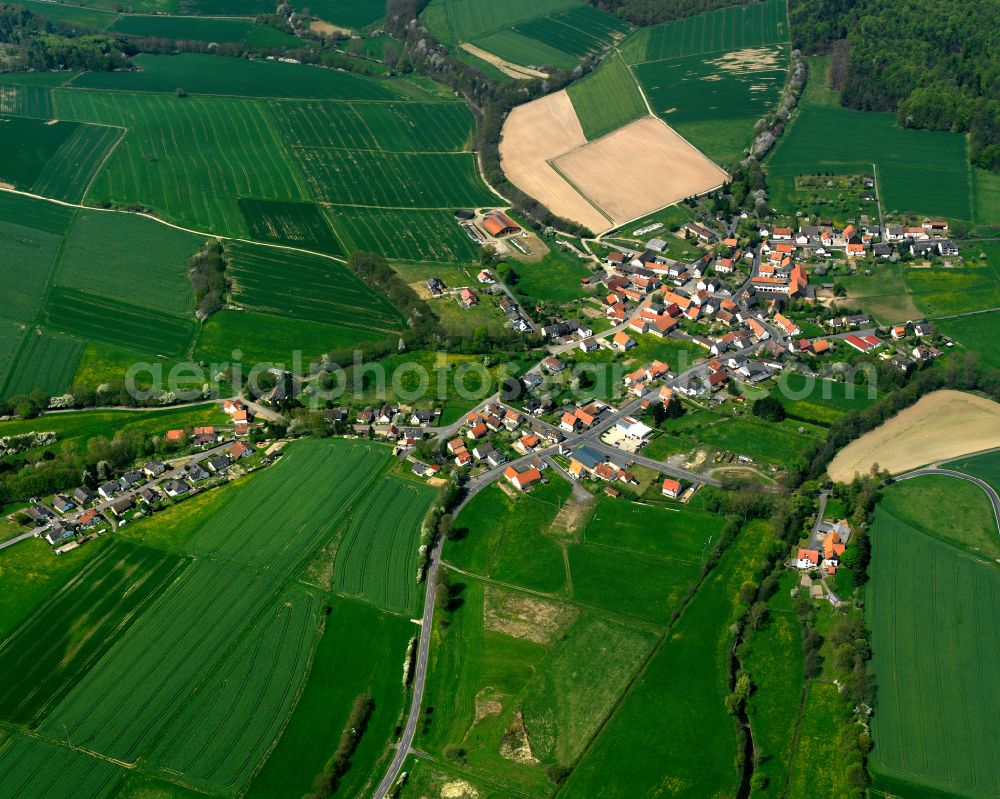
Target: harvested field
(536, 133)
(942, 425)
(608, 170)
(545, 153)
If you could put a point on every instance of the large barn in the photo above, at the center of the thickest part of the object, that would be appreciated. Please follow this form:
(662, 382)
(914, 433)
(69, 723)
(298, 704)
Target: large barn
(499, 224)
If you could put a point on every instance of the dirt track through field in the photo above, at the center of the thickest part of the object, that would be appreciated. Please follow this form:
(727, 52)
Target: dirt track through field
(506, 67)
(943, 425)
(536, 133)
(638, 169)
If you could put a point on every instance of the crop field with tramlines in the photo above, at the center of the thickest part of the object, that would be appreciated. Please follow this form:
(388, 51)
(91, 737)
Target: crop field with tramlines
(305, 286)
(30, 768)
(27, 256)
(198, 29)
(187, 159)
(97, 318)
(59, 642)
(606, 99)
(146, 253)
(45, 361)
(376, 560)
(196, 666)
(405, 127)
(354, 14)
(933, 728)
(295, 224)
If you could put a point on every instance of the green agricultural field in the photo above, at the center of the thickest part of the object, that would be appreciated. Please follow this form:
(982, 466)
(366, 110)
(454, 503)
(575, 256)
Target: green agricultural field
(456, 21)
(178, 654)
(404, 127)
(918, 503)
(10, 338)
(351, 658)
(376, 558)
(512, 46)
(38, 215)
(943, 291)
(735, 28)
(250, 696)
(403, 235)
(31, 574)
(30, 767)
(295, 224)
(45, 361)
(607, 99)
(581, 30)
(90, 316)
(828, 138)
(187, 159)
(62, 639)
(31, 100)
(394, 180)
(68, 174)
(986, 198)
(677, 532)
(672, 729)
(27, 256)
(714, 100)
(932, 728)
(207, 7)
(206, 74)
(308, 287)
(985, 467)
(356, 14)
(504, 537)
(96, 18)
(198, 29)
(969, 333)
(30, 144)
(145, 253)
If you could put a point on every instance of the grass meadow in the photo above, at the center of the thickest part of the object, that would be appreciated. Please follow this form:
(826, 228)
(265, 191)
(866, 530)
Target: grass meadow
(671, 727)
(985, 467)
(675, 532)
(969, 332)
(933, 720)
(815, 768)
(820, 401)
(606, 99)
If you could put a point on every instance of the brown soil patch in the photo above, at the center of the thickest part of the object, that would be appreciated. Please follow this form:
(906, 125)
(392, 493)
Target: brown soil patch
(7, 186)
(487, 704)
(515, 745)
(536, 133)
(571, 515)
(327, 29)
(506, 67)
(750, 60)
(943, 425)
(614, 171)
(458, 789)
(526, 617)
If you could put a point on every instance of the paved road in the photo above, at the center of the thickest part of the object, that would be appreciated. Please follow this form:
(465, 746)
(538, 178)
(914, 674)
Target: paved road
(101, 507)
(990, 491)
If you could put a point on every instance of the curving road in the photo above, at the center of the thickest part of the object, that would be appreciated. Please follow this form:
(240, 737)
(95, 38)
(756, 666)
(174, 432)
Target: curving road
(990, 491)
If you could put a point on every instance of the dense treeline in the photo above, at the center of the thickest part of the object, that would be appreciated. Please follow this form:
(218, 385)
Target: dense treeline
(327, 782)
(933, 64)
(207, 270)
(650, 12)
(42, 44)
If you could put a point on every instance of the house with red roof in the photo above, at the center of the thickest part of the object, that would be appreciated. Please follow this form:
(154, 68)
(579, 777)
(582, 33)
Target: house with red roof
(525, 480)
(671, 488)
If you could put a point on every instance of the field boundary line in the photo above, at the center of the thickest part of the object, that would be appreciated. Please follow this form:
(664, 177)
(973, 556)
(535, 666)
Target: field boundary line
(206, 234)
(551, 162)
(107, 155)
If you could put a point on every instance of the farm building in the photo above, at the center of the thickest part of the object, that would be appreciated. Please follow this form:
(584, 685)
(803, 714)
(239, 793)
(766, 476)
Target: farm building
(499, 224)
(671, 488)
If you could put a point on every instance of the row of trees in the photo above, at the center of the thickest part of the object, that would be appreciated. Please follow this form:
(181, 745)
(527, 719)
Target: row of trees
(888, 57)
(207, 270)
